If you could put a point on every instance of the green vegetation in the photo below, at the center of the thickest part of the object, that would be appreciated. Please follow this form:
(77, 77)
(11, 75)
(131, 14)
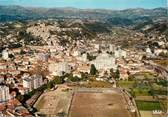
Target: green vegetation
(162, 54)
(73, 79)
(57, 80)
(141, 92)
(97, 27)
(84, 76)
(126, 84)
(160, 92)
(93, 70)
(148, 105)
(28, 37)
(90, 57)
(144, 76)
(163, 83)
(49, 85)
(97, 84)
(120, 21)
(116, 74)
(22, 52)
(24, 98)
(160, 87)
(141, 88)
(145, 84)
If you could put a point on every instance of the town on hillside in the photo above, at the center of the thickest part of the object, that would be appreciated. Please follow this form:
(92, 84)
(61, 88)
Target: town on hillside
(83, 67)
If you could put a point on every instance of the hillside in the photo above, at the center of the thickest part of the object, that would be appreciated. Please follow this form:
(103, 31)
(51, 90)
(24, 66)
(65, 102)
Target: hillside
(12, 13)
(64, 26)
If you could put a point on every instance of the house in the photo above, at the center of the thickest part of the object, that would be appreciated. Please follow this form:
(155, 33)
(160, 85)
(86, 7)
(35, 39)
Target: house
(2, 79)
(5, 54)
(123, 73)
(84, 68)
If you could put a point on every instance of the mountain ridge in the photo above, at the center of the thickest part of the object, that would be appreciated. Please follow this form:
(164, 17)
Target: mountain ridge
(31, 13)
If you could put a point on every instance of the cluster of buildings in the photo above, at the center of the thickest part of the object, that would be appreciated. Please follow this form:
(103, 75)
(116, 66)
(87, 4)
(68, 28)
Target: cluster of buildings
(13, 108)
(10, 106)
(17, 76)
(31, 82)
(156, 48)
(27, 68)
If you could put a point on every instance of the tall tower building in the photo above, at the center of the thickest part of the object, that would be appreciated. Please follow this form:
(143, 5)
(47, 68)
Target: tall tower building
(4, 94)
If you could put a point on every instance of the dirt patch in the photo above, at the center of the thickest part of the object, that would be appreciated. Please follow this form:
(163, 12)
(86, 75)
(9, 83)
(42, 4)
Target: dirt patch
(98, 104)
(54, 103)
(83, 102)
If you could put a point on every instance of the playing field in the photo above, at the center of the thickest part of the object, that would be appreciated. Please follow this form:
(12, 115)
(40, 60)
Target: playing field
(98, 104)
(83, 102)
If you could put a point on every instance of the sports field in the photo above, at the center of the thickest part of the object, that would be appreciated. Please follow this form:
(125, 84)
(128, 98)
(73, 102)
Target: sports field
(98, 104)
(83, 102)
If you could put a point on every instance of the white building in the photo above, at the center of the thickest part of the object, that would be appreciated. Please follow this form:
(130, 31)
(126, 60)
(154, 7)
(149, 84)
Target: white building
(2, 79)
(149, 52)
(97, 46)
(112, 48)
(77, 53)
(120, 53)
(59, 69)
(83, 58)
(105, 61)
(28, 83)
(5, 54)
(37, 81)
(4, 94)
(42, 56)
(32, 82)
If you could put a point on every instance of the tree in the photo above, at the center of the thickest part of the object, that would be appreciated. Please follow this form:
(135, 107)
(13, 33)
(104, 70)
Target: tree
(22, 52)
(133, 93)
(11, 56)
(162, 54)
(90, 57)
(117, 74)
(93, 70)
(50, 85)
(112, 73)
(75, 79)
(20, 97)
(84, 76)
(58, 80)
(131, 77)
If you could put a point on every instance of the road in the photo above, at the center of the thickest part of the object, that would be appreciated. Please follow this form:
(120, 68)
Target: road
(163, 71)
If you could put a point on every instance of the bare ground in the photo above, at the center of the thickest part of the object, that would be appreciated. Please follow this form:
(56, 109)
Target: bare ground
(98, 105)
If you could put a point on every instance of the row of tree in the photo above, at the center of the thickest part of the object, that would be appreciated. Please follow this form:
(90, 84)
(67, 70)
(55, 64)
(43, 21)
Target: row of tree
(116, 74)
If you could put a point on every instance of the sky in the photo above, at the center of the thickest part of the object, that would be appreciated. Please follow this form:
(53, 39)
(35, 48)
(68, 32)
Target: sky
(92, 4)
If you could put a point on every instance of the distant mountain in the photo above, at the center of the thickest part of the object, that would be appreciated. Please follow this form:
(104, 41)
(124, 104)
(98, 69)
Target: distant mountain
(159, 26)
(124, 17)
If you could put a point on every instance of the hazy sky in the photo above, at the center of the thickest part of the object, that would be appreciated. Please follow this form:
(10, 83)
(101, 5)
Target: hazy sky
(108, 4)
